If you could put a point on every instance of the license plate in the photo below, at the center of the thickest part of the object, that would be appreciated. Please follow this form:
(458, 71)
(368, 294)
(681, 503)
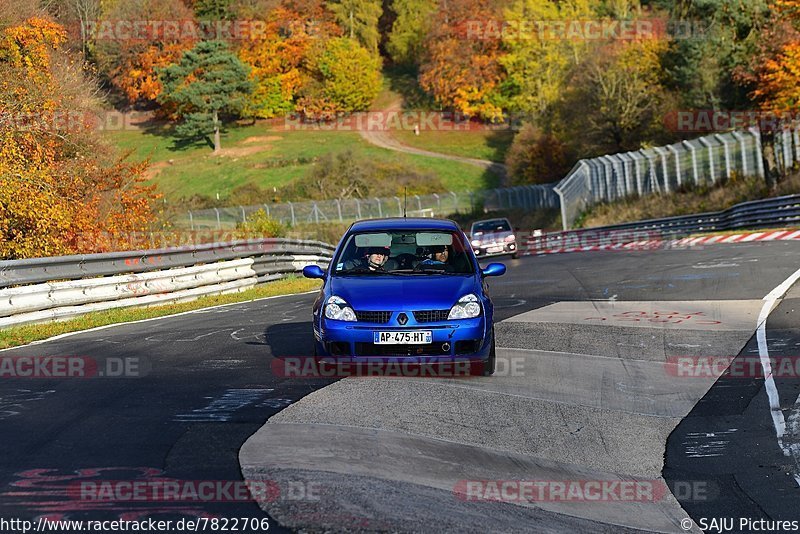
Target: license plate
(492, 250)
(419, 337)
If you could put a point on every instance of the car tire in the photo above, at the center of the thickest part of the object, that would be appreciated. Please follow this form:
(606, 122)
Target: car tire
(489, 364)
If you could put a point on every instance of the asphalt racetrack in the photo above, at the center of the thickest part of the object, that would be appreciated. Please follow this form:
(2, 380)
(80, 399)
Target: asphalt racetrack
(591, 391)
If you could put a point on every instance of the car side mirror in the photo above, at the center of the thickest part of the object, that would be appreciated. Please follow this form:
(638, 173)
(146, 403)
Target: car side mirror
(494, 269)
(314, 271)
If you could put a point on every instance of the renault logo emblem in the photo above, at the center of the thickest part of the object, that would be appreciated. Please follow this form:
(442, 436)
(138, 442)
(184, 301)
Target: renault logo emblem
(402, 318)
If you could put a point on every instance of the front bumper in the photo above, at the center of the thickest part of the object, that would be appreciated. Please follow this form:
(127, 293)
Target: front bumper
(463, 339)
(497, 249)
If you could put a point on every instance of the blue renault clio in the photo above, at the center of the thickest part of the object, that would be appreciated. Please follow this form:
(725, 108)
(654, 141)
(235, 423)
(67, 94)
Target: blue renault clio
(405, 289)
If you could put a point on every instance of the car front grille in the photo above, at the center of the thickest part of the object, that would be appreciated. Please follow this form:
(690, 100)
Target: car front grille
(378, 317)
(431, 316)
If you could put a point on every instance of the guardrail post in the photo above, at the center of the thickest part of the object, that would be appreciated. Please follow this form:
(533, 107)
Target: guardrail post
(664, 169)
(339, 208)
(608, 173)
(693, 151)
(399, 207)
(244, 216)
(564, 225)
(358, 207)
(638, 169)
(727, 152)
(380, 208)
(743, 146)
(316, 213)
(651, 172)
(627, 172)
(291, 210)
(786, 137)
(419, 203)
(438, 203)
(710, 148)
(191, 220)
(455, 201)
(219, 224)
(759, 155)
(796, 136)
(266, 207)
(676, 154)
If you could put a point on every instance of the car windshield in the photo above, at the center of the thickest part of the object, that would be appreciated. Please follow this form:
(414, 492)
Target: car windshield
(406, 252)
(490, 227)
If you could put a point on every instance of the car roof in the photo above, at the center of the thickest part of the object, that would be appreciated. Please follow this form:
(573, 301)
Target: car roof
(404, 223)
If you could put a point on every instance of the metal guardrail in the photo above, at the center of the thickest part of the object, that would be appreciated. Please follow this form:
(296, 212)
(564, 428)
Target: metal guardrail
(31, 271)
(778, 212)
(46, 289)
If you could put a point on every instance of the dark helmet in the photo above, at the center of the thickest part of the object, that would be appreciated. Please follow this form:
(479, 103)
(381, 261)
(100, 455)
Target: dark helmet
(378, 250)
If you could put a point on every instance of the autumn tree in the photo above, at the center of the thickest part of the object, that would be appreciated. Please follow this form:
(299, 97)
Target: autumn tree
(615, 102)
(712, 40)
(345, 77)
(773, 72)
(461, 71)
(62, 190)
(539, 66)
(131, 63)
(359, 20)
(278, 58)
(207, 83)
(411, 25)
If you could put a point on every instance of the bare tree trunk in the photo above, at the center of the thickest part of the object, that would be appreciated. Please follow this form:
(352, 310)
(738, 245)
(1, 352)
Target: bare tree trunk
(217, 142)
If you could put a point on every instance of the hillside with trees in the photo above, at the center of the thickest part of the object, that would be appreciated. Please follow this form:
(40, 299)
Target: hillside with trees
(210, 66)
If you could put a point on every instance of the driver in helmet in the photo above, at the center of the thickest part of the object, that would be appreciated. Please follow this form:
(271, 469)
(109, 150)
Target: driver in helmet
(437, 258)
(375, 259)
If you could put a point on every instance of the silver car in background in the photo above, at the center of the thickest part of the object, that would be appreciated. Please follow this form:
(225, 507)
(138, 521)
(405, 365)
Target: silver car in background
(493, 237)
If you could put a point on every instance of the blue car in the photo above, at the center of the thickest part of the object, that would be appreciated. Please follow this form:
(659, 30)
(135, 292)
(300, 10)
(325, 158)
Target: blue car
(408, 290)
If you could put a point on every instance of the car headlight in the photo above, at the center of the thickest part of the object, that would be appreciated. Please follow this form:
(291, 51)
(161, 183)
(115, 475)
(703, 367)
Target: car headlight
(336, 308)
(467, 307)
(476, 243)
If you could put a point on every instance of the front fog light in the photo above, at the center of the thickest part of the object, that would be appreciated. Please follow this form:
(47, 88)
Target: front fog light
(467, 307)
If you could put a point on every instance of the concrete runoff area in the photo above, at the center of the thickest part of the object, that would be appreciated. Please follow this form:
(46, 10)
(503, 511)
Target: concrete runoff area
(590, 413)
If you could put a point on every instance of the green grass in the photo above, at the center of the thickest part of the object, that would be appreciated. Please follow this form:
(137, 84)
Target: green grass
(481, 144)
(183, 171)
(22, 335)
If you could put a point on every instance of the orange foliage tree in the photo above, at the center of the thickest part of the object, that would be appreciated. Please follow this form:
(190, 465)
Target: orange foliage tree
(773, 73)
(463, 73)
(277, 55)
(61, 190)
(130, 59)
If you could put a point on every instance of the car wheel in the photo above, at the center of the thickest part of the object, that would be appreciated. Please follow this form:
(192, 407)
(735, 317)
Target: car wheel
(489, 364)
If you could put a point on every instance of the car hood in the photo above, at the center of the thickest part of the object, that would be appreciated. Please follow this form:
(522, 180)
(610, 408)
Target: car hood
(492, 237)
(408, 293)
